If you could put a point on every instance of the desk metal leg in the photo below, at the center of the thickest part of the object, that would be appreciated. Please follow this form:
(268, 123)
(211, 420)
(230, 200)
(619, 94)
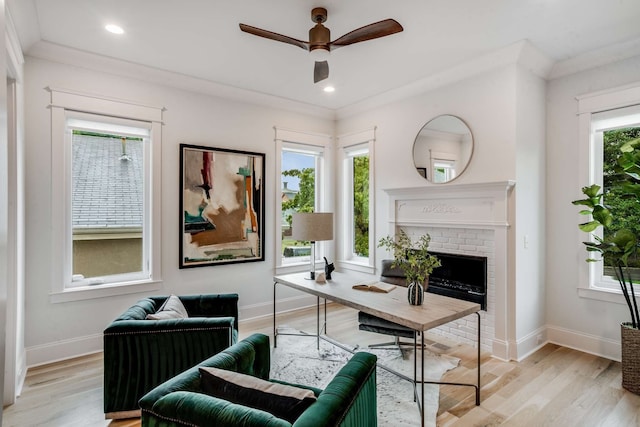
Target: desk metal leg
(318, 322)
(275, 332)
(324, 326)
(478, 366)
(421, 380)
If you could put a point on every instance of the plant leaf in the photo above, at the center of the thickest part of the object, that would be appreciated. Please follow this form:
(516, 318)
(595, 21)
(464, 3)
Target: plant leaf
(588, 227)
(591, 191)
(602, 215)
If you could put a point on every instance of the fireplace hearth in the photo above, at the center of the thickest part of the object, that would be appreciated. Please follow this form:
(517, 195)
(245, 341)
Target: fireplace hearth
(460, 276)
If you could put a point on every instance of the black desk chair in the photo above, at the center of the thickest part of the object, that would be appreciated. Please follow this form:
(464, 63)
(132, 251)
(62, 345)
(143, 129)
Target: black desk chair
(371, 323)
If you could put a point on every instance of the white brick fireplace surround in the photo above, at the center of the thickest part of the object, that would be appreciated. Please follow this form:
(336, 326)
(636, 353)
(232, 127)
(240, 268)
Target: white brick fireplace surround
(469, 219)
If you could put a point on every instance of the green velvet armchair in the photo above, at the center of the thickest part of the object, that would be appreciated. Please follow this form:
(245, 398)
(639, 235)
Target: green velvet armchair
(140, 354)
(349, 400)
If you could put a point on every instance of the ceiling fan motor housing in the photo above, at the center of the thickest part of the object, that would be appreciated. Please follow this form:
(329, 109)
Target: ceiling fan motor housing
(319, 35)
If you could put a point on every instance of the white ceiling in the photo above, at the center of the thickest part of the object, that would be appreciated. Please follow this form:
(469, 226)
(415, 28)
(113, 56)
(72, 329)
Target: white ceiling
(201, 38)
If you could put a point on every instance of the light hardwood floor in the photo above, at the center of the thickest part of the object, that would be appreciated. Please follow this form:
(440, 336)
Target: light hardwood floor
(555, 386)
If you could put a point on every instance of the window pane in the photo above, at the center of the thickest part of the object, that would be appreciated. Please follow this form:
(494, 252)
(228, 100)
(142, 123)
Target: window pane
(361, 205)
(298, 195)
(625, 207)
(107, 204)
(443, 170)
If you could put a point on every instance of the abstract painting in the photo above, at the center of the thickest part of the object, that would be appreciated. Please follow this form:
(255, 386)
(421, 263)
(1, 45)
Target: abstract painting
(221, 206)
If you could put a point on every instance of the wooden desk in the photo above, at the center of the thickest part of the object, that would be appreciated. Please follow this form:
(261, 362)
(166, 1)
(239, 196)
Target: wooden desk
(393, 306)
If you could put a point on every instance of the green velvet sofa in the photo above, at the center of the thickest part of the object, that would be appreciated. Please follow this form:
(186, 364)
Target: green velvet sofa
(140, 354)
(349, 400)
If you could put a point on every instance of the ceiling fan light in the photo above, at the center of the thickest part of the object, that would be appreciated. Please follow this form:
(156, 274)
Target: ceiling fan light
(319, 54)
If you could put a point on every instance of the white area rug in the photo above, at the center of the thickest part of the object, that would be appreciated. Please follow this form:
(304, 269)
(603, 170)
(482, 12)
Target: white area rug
(297, 360)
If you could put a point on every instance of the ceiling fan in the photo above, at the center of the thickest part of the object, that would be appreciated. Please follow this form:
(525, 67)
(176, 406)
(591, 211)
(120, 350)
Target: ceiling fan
(319, 44)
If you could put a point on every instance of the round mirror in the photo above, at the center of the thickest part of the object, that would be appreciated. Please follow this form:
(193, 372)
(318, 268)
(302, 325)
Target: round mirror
(442, 150)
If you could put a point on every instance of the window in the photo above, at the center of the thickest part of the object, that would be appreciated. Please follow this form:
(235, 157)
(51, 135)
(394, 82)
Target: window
(298, 176)
(357, 176)
(609, 131)
(357, 201)
(302, 187)
(607, 120)
(108, 168)
(444, 170)
(106, 185)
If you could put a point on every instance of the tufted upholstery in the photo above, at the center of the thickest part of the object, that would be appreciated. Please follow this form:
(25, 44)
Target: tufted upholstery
(349, 400)
(139, 354)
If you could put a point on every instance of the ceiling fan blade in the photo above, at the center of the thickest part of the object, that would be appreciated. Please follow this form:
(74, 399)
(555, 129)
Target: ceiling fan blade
(274, 36)
(369, 32)
(320, 71)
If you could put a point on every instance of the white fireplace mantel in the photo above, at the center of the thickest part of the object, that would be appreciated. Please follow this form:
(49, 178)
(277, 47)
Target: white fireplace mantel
(483, 205)
(468, 206)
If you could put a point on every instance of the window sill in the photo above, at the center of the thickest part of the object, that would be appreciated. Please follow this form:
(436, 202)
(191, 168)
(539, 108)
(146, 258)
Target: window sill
(356, 266)
(292, 268)
(603, 294)
(102, 291)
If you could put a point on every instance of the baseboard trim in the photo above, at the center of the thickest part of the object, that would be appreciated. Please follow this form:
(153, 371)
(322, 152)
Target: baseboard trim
(62, 350)
(587, 343)
(81, 346)
(284, 305)
(500, 349)
(531, 343)
(21, 374)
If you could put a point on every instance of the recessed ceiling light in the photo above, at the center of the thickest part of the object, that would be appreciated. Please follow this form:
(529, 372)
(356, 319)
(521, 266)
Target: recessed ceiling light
(329, 89)
(115, 29)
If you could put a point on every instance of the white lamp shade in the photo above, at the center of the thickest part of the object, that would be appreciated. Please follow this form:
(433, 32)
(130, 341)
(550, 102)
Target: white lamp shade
(313, 227)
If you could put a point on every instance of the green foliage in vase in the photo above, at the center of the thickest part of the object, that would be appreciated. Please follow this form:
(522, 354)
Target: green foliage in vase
(414, 259)
(618, 245)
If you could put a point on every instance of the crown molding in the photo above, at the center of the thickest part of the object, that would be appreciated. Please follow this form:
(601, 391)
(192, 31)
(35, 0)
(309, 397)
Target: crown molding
(596, 58)
(14, 51)
(522, 52)
(64, 55)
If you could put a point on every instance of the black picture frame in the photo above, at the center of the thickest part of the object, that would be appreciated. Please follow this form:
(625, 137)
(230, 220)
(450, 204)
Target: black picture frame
(222, 197)
(422, 172)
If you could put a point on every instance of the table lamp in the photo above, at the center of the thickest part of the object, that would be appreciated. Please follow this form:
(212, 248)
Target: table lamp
(314, 227)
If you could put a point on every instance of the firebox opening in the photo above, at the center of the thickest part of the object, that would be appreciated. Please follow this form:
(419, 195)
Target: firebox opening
(460, 276)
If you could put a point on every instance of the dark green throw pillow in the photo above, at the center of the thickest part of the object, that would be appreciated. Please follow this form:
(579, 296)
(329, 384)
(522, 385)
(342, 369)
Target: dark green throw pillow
(281, 400)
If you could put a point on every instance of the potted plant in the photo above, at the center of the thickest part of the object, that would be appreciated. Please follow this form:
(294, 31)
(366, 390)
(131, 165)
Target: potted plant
(415, 260)
(619, 246)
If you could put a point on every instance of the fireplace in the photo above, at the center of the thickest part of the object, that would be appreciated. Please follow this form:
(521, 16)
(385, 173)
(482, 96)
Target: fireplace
(465, 221)
(460, 276)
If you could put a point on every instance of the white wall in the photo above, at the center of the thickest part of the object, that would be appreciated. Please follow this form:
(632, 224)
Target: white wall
(501, 107)
(59, 330)
(505, 110)
(5, 255)
(529, 237)
(587, 324)
(15, 359)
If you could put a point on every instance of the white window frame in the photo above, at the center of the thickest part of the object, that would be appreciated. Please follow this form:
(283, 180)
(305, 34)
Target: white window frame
(65, 104)
(592, 283)
(321, 146)
(350, 145)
